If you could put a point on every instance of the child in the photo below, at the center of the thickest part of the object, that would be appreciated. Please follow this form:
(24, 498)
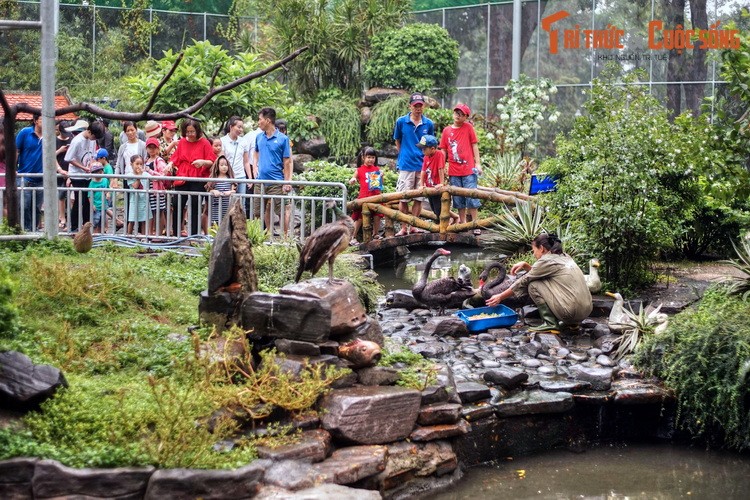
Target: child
(217, 146)
(459, 141)
(220, 189)
(370, 180)
(97, 198)
(138, 211)
(157, 167)
(102, 156)
(433, 171)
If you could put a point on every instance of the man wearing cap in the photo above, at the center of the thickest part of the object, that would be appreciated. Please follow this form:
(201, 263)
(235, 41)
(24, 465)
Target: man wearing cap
(236, 150)
(459, 141)
(29, 147)
(408, 131)
(81, 152)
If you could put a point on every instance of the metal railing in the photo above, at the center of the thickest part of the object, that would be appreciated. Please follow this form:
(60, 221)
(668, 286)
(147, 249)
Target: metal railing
(150, 214)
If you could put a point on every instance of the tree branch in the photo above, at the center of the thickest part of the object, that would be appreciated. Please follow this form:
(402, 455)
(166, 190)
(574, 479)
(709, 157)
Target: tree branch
(163, 81)
(213, 77)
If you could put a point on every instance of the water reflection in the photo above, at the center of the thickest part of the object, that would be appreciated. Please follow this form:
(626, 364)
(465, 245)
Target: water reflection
(403, 274)
(640, 471)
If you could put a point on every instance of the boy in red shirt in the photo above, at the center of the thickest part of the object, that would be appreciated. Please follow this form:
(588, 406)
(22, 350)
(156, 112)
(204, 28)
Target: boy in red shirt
(370, 180)
(459, 141)
(433, 170)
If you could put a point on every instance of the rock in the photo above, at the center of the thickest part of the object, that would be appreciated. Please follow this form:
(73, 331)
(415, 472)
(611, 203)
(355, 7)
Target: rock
(193, 483)
(593, 352)
(313, 445)
(297, 347)
(221, 263)
(479, 411)
(445, 326)
(564, 385)
(469, 392)
(439, 413)
(605, 361)
(220, 309)
(349, 465)
(364, 415)
(323, 492)
(433, 350)
(600, 330)
(507, 378)
(409, 460)
(546, 370)
(577, 357)
(365, 114)
(500, 333)
(299, 161)
(402, 299)
(534, 402)
(562, 352)
(15, 478)
(315, 147)
(599, 378)
(549, 340)
(284, 316)
(347, 312)
(292, 475)
(436, 432)
(378, 94)
(377, 375)
(607, 343)
(24, 385)
(369, 330)
(531, 363)
(52, 479)
(530, 349)
(641, 394)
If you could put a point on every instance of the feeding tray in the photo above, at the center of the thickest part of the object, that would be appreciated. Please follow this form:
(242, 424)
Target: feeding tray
(482, 319)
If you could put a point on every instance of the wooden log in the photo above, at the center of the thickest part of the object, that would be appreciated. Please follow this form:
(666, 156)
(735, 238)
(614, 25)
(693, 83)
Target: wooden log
(422, 192)
(445, 212)
(520, 196)
(407, 219)
(366, 223)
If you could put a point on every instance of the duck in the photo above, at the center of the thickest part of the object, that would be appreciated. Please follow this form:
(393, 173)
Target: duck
(618, 320)
(84, 239)
(442, 292)
(325, 243)
(592, 278)
(498, 284)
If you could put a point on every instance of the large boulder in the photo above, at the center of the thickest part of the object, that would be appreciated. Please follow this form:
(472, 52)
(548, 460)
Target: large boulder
(378, 94)
(315, 147)
(53, 480)
(24, 385)
(365, 415)
(299, 161)
(347, 312)
(285, 316)
(178, 484)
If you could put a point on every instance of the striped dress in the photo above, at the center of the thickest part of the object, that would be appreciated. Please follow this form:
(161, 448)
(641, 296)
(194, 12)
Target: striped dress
(220, 205)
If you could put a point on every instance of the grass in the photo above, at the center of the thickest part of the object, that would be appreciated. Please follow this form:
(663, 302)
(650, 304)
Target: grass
(116, 323)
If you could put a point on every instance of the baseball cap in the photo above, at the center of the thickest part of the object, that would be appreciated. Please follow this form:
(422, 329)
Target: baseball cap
(427, 141)
(78, 126)
(463, 108)
(415, 98)
(152, 141)
(169, 125)
(102, 153)
(96, 166)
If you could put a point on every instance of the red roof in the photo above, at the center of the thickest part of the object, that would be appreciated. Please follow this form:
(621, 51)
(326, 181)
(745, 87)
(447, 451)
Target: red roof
(35, 99)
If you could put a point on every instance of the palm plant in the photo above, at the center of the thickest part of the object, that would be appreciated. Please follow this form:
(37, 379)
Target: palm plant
(740, 285)
(503, 171)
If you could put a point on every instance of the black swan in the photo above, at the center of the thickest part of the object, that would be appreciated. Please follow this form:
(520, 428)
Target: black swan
(325, 243)
(442, 292)
(499, 284)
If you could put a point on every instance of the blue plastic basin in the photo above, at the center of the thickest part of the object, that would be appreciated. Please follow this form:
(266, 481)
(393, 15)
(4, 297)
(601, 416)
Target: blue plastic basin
(505, 317)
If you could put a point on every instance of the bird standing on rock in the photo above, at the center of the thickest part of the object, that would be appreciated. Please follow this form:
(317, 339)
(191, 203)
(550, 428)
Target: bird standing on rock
(83, 240)
(325, 243)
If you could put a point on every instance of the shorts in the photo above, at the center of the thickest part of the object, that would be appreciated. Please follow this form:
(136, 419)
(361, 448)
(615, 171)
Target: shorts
(468, 182)
(97, 219)
(408, 181)
(358, 215)
(273, 189)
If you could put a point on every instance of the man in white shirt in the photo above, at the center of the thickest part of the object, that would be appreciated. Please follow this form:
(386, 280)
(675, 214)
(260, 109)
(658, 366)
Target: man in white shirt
(236, 150)
(81, 152)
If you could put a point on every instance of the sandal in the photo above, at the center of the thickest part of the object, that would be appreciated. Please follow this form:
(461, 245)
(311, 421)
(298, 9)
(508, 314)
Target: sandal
(403, 232)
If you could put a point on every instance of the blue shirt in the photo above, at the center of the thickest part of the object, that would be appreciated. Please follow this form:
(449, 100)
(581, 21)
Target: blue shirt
(410, 156)
(271, 153)
(29, 147)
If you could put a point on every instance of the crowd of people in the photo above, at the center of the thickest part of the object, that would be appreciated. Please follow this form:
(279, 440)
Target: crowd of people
(152, 159)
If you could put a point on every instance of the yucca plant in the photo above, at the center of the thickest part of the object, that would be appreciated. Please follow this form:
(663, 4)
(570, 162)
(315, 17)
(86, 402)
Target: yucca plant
(740, 285)
(640, 324)
(504, 172)
(518, 227)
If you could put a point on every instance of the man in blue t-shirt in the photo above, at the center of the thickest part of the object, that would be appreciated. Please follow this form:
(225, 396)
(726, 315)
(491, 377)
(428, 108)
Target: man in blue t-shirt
(272, 161)
(408, 131)
(29, 147)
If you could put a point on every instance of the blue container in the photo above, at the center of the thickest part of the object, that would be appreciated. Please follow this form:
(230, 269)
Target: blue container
(505, 317)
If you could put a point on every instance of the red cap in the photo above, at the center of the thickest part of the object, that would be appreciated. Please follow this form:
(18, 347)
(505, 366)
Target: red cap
(169, 125)
(463, 108)
(152, 141)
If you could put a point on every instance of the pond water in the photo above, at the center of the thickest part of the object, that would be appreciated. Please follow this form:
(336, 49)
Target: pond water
(403, 274)
(642, 471)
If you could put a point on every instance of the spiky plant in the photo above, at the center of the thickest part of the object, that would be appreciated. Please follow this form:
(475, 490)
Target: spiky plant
(518, 227)
(640, 324)
(503, 171)
(740, 285)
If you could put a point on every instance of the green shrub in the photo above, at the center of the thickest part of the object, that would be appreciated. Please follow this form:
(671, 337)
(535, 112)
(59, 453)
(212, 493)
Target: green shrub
(624, 186)
(8, 310)
(704, 356)
(301, 123)
(340, 124)
(416, 57)
(383, 119)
